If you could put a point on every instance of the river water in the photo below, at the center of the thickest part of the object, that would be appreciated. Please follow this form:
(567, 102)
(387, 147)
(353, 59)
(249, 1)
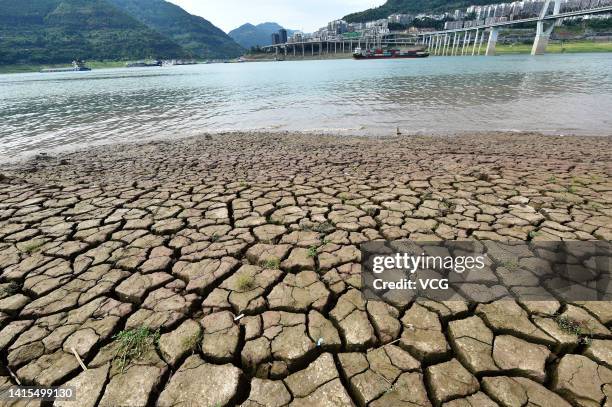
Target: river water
(558, 94)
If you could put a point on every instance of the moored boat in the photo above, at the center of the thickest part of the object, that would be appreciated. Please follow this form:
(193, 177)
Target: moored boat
(389, 53)
(143, 64)
(77, 65)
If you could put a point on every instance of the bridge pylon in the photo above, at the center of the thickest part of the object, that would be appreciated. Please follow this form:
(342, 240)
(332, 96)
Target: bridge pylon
(492, 41)
(542, 31)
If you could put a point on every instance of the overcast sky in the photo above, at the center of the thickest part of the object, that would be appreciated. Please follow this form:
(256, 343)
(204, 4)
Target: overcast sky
(307, 15)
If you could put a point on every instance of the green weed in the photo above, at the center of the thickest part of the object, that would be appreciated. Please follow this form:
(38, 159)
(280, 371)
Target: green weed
(245, 282)
(272, 263)
(509, 264)
(134, 343)
(312, 251)
(573, 327)
(534, 233)
(9, 289)
(33, 246)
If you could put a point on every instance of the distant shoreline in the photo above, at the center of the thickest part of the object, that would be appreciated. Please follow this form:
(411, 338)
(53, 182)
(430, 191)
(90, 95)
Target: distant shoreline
(568, 47)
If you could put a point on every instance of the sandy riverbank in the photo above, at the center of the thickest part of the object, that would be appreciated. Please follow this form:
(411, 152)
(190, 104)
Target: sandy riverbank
(183, 236)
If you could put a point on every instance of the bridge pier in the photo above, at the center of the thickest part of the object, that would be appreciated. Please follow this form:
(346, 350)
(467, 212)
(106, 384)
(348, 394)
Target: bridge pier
(492, 41)
(446, 43)
(543, 34)
(541, 39)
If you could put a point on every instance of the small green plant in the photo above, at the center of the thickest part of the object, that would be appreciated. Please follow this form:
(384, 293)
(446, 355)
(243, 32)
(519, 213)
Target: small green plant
(447, 205)
(552, 179)
(243, 184)
(245, 282)
(272, 263)
(509, 264)
(215, 238)
(33, 246)
(482, 176)
(595, 205)
(323, 227)
(312, 251)
(573, 327)
(534, 233)
(275, 222)
(9, 289)
(571, 189)
(193, 342)
(371, 211)
(133, 344)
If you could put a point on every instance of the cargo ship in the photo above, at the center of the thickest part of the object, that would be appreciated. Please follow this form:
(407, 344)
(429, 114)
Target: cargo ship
(77, 66)
(144, 64)
(389, 53)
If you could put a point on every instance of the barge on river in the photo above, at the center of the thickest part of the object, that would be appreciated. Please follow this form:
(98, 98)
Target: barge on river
(144, 64)
(77, 66)
(389, 53)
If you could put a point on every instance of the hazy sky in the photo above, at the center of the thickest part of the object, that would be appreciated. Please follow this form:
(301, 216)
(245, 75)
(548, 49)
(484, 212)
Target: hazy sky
(307, 15)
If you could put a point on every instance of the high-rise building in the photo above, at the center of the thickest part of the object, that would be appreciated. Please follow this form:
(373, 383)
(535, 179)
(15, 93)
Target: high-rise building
(282, 34)
(275, 39)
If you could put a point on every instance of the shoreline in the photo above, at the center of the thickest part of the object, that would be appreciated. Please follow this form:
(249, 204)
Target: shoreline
(569, 47)
(24, 156)
(238, 254)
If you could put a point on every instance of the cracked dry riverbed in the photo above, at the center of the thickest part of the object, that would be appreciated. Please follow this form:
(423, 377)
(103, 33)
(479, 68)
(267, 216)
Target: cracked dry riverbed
(177, 239)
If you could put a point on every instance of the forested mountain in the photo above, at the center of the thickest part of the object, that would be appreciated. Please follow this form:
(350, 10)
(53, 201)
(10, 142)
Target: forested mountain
(196, 34)
(249, 35)
(411, 7)
(58, 31)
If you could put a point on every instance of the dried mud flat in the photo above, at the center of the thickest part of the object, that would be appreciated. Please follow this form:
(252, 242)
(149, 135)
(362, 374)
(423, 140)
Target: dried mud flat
(183, 237)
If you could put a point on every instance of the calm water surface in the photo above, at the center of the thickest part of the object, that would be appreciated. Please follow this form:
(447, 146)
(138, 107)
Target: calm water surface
(562, 94)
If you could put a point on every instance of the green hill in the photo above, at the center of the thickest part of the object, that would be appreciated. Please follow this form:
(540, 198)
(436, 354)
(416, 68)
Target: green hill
(193, 33)
(411, 7)
(57, 31)
(249, 35)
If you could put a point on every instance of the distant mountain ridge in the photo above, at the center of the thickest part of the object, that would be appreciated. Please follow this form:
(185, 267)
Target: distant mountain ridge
(249, 35)
(58, 31)
(411, 7)
(195, 34)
